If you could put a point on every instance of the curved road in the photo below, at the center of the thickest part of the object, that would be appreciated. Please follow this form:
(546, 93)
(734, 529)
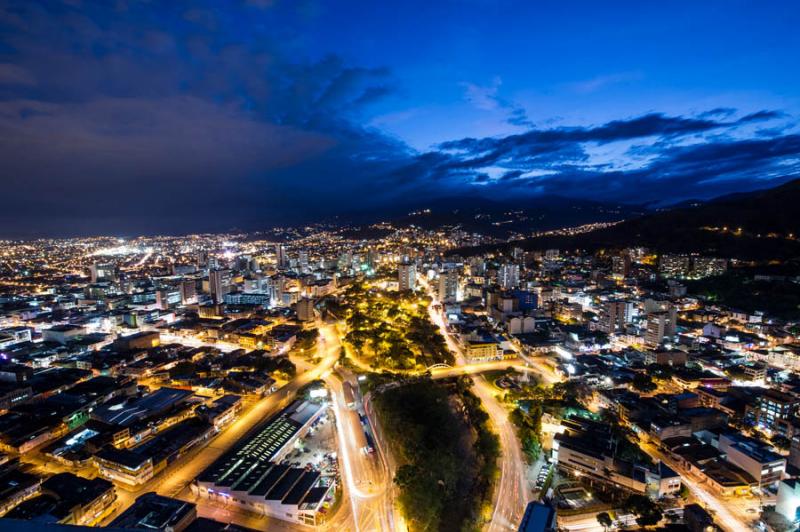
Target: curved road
(511, 493)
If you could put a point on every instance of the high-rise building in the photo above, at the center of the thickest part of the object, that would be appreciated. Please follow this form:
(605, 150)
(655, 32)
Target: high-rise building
(774, 406)
(508, 276)
(302, 260)
(407, 276)
(305, 309)
(477, 266)
(344, 261)
(708, 267)
(621, 265)
(202, 260)
(219, 284)
(168, 297)
(281, 257)
(661, 326)
(188, 291)
(102, 272)
(277, 285)
(448, 286)
(794, 451)
(671, 266)
(614, 316)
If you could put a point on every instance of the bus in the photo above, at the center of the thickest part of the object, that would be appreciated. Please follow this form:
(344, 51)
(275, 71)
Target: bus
(359, 435)
(349, 396)
(369, 448)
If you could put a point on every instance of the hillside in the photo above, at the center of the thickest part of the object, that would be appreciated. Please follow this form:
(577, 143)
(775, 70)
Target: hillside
(499, 218)
(756, 225)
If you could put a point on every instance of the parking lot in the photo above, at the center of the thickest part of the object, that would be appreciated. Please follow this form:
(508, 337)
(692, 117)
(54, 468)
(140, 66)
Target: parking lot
(317, 449)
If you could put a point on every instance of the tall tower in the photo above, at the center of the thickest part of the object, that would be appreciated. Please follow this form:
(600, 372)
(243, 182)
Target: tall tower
(448, 286)
(508, 276)
(280, 256)
(219, 284)
(407, 276)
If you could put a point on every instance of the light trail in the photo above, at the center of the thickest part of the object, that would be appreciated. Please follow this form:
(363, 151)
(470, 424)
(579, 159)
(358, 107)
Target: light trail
(510, 497)
(351, 486)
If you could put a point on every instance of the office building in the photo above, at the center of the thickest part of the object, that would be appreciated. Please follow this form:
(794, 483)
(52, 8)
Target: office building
(448, 286)
(774, 406)
(219, 284)
(407, 276)
(508, 276)
(281, 256)
(661, 327)
(102, 272)
(753, 456)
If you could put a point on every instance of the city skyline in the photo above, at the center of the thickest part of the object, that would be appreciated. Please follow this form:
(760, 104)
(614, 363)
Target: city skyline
(133, 118)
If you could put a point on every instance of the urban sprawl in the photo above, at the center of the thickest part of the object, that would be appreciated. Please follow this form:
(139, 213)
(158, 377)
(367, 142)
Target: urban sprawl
(389, 378)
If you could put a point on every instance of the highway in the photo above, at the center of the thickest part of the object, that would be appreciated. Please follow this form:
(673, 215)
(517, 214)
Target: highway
(512, 491)
(366, 476)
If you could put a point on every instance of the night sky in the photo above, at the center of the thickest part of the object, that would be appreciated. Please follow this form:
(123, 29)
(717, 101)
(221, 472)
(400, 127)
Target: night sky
(126, 117)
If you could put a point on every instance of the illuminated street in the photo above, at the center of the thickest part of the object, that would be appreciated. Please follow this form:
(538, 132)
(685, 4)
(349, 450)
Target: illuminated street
(731, 514)
(512, 492)
(174, 482)
(366, 476)
(400, 266)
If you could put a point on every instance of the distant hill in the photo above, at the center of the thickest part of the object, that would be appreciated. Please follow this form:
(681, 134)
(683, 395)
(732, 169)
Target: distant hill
(503, 219)
(752, 225)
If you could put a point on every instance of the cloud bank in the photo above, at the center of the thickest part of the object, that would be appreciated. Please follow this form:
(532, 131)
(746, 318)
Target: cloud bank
(131, 117)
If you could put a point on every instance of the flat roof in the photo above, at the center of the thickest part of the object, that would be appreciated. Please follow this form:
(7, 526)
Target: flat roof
(301, 487)
(538, 517)
(260, 447)
(249, 466)
(61, 493)
(154, 512)
(129, 412)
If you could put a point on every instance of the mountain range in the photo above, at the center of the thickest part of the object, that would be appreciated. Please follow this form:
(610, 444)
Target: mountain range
(758, 225)
(514, 218)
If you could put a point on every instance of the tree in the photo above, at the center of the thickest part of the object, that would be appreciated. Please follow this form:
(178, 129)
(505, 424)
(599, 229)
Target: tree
(660, 371)
(605, 520)
(646, 511)
(643, 383)
(306, 339)
(781, 442)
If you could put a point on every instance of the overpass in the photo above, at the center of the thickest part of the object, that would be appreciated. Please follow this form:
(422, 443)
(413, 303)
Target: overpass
(439, 372)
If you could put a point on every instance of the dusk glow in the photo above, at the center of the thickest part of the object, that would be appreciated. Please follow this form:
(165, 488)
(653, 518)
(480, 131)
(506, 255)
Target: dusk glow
(134, 117)
(418, 266)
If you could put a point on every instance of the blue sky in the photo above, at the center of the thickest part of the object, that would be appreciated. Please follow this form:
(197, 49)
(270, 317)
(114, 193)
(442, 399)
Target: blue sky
(135, 116)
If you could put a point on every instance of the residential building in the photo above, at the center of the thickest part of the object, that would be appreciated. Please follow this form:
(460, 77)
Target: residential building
(407, 276)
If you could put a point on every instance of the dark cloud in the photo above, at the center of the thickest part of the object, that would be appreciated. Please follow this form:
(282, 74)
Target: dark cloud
(760, 116)
(663, 167)
(720, 112)
(137, 117)
(203, 120)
